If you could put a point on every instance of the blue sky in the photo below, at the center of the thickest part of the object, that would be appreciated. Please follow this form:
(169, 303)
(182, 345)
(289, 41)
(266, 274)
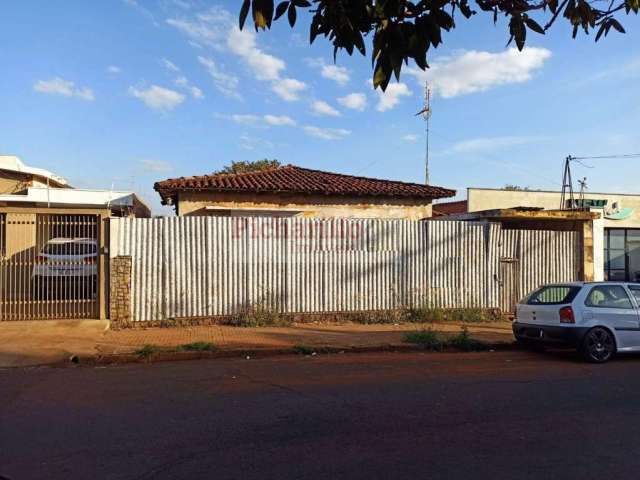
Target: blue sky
(122, 93)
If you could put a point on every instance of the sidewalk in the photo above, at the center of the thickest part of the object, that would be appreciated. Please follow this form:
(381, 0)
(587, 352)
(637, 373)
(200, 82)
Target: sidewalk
(42, 342)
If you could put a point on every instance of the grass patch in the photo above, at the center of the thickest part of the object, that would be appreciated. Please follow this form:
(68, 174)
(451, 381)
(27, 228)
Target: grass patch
(147, 351)
(303, 350)
(198, 347)
(464, 342)
(427, 339)
(434, 341)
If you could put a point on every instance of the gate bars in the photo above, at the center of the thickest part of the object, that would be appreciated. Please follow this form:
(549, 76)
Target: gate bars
(48, 266)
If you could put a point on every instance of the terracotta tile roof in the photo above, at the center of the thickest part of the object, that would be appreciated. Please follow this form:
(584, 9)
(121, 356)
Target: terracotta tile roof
(449, 208)
(292, 179)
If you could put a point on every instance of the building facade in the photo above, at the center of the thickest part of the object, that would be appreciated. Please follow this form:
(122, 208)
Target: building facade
(291, 191)
(616, 233)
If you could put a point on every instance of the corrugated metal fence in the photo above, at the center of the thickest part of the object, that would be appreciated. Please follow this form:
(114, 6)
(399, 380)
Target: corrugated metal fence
(207, 266)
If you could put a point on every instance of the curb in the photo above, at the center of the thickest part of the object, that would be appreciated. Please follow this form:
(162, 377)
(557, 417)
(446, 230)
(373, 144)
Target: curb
(173, 356)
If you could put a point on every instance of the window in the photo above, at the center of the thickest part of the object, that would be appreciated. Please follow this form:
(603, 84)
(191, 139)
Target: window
(608, 296)
(552, 295)
(635, 291)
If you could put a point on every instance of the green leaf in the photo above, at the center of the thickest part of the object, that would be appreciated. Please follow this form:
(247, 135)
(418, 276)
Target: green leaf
(518, 31)
(262, 13)
(533, 25)
(602, 29)
(359, 43)
(281, 9)
(616, 24)
(244, 11)
(292, 15)
(382, 75)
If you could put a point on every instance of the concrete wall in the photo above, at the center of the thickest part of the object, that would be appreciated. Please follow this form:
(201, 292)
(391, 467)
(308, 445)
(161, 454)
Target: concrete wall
(488, 199)
(311, 206)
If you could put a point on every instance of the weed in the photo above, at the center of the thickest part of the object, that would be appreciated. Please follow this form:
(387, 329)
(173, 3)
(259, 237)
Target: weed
(428, 339)
(303, 350)
(463, 341)
(431, 340)
(147, 351)
(198, 347)
(259, 314)
(424, 314)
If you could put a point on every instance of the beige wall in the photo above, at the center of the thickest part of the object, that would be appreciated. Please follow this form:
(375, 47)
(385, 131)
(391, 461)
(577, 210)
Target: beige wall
(8, 185)
(308, 205)
(487, 199)
(11, 182)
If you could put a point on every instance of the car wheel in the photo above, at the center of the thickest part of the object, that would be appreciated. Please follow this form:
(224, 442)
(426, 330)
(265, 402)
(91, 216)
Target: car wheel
(598, 345)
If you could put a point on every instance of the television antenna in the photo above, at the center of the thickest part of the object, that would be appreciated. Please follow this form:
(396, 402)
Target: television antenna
(426, 115)
(583, 187)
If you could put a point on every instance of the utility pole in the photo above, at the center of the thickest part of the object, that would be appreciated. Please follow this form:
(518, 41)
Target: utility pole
(567, 185)
(426, 115)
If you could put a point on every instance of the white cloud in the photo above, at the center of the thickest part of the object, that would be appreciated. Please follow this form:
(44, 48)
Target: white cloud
(489, 144)
(217, 29)
(114, 70)
(225, 83)
(261, 121)
(354, 101)
(263, 65)
(252, 143)
(169, 65)
(340, 75)
(66, 88)
(279, 121)
(326, 133)
(288, 89)
(155, 166)
(209, 29)
(245, 119)
(158, 98)
(184, 83)
(323, 108)
(477, 71)
(389, 99)
(410, 137)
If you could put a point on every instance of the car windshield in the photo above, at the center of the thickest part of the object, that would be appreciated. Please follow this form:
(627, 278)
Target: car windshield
(70, 248)
(552, 295)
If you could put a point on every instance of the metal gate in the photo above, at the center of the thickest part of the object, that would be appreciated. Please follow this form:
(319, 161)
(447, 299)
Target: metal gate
(509, 284)
(49, 266)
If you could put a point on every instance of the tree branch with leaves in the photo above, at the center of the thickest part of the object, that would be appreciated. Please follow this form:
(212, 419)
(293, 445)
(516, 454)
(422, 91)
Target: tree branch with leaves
(404, 30)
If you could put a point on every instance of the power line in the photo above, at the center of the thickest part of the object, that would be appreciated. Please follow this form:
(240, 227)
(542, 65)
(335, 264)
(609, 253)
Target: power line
(600, 157)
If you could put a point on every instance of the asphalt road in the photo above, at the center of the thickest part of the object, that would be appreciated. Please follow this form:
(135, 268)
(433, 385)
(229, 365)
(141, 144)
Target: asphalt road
(468, 416)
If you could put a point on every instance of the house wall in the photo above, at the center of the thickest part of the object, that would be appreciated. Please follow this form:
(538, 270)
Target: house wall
(310, 206)
(9, 184)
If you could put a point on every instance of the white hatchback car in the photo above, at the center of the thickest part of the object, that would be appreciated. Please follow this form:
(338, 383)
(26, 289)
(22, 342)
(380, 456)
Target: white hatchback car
(66, 261)
(599, 318)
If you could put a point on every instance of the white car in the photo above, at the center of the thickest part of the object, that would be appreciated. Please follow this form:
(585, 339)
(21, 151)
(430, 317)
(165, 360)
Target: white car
(63, 261)
(598, 318)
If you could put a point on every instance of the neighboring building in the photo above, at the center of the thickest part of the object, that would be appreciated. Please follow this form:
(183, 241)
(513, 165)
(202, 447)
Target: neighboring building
(290, 191)
(42, 217)
(443, 209)
(47, 200)
(616, 235)
(15, 176)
